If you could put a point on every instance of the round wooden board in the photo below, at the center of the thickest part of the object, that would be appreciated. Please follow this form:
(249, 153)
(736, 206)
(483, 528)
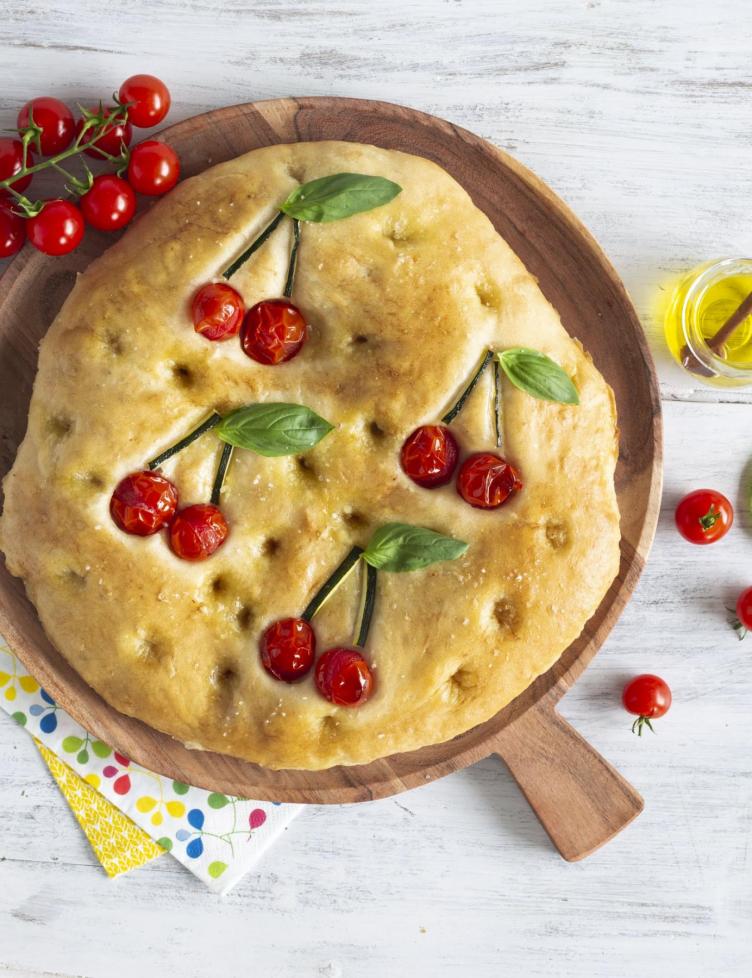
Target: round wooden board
(575, 276)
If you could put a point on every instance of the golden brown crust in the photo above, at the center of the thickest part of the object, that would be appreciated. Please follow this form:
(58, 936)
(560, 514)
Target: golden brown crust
(402, 301)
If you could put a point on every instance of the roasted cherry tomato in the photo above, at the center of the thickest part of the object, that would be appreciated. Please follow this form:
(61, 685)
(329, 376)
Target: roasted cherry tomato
(487, 481)
(198, 531)
(288, 648)
(704, 516)
(55, 120)
(11, 161)
(112, 140)
(143, 502)
(343, 677)
(274, 332)
(57, 229)
(12, 230)
(743, 621)
(148, 100)
(429, 455)
(648, 697)
(218, 311)
(110, 203)
(154, 168)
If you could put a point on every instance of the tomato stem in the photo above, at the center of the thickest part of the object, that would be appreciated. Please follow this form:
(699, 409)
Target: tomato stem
(287, 293)
(330, 585)
(640, 722)
(736, 624)
(211, 422)
(458, 406)
(709, 520)
(367, 604)
(254, 246)
(224, 462)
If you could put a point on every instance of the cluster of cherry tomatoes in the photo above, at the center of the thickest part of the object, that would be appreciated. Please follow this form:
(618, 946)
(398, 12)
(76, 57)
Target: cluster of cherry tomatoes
(48, 129)
(288, 650)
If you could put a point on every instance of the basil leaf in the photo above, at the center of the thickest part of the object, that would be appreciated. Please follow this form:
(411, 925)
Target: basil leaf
(340, 195)
(537, 375)
(401, 547)
(273, 429)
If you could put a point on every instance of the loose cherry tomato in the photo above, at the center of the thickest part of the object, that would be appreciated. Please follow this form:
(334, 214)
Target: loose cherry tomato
(343, 677)
(743, 622)
(154, 168)
(11, 161)
(429, 455)
(57, 229)
(12, 230)
(112, 140)
(198, 531)
(55, 120)
(288, 648)
(274, 332)
(110, 203)
(143, 502)
(487, 481)
(704, 516)
(648, 697)
(148, 98)
(218, 311)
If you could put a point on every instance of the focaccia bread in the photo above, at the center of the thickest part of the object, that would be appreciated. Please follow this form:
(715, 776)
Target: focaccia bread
(402, 301)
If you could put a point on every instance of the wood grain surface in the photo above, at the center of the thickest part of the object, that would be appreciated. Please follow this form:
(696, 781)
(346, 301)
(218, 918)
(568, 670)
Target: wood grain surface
(577, 278)
(638, 115)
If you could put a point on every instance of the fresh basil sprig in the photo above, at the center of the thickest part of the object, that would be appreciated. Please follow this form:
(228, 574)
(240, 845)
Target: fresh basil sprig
(339, 195)
(273, 429)
(402, 547)
(537, 375)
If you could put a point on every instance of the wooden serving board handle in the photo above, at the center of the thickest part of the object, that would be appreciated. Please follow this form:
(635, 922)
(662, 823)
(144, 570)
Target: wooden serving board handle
(581, 801)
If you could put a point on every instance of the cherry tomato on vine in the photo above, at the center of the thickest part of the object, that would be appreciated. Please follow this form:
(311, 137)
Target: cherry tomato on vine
(110, 203)
(55, 120)
(12, 230)
(486, 480)
(344, 677)
(288, 648)
(57, 229)
(274, 332)
(743, 622)
(429, 455)
(148, 98)
(198, 531)
(154, 168)
(112, 139)
(217, 311)
(11, 161)
(647, 697)
(704, 516)
(143, 502)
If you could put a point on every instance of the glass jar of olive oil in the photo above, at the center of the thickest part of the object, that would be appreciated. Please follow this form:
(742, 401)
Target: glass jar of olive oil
(702, 304)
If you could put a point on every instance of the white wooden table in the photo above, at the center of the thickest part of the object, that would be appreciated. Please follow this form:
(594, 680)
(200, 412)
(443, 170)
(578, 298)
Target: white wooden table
(639, 114)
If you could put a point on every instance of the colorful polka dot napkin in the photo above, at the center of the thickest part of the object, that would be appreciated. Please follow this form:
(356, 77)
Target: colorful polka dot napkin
(130, 814)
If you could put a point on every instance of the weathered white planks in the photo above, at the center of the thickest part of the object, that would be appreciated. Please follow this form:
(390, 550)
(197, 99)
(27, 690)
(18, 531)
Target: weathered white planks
(639, 115)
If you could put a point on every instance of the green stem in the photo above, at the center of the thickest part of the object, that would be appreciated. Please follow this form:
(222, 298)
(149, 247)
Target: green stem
(455, 410)
(498, 423)
(255, 245)
(211, 422)
(77, 147)
(287, 293)
(367, 604)
(224, 461)
(331, 584)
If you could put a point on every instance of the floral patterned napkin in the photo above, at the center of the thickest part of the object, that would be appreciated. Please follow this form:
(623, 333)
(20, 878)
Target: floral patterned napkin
(217, 837)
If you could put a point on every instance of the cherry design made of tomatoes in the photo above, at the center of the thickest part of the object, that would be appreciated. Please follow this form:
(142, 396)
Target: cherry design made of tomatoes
(145, 502)
(486, 480)
(274, 331)
(342, 674)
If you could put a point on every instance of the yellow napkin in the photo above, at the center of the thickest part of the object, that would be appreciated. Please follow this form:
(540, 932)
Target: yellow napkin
(118, 843)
